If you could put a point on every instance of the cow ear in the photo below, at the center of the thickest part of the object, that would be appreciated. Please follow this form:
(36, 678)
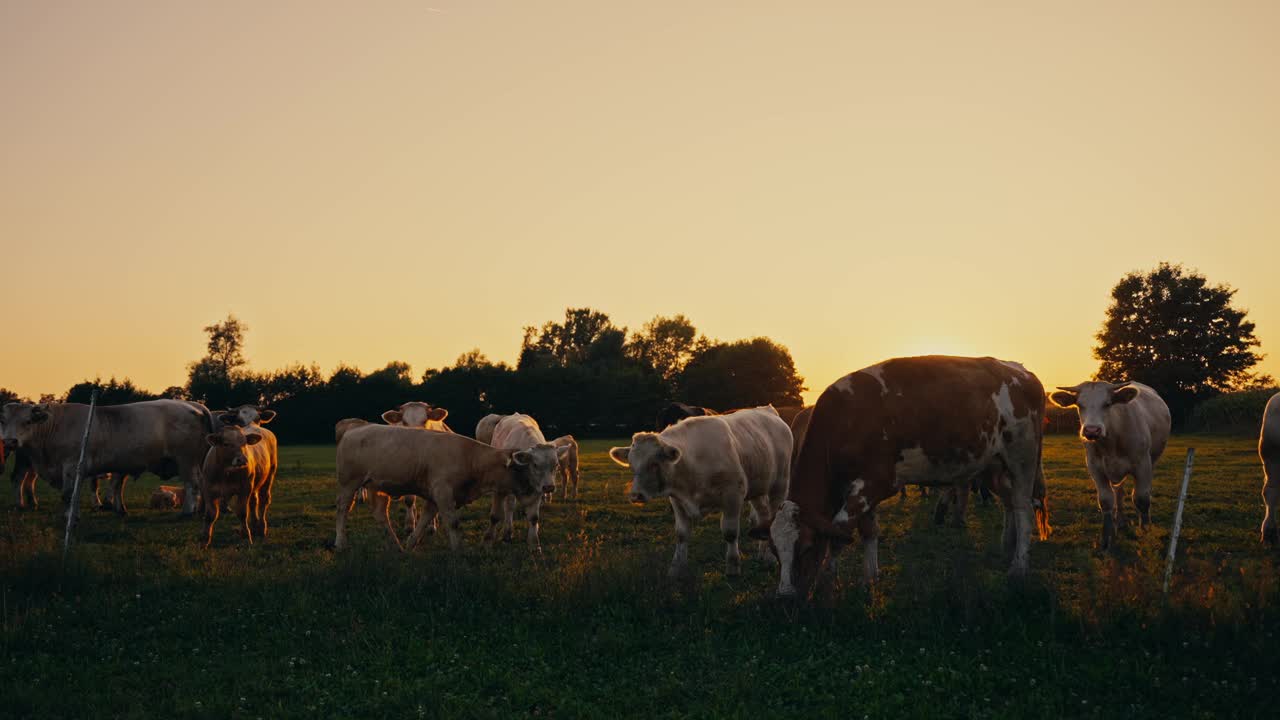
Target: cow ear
(562, 452)
(266, 416)
(252, 439)
(437, 414)
(670, 453)
(621, 455)
(1124, 394)
(229, 418)
(1063, 398)
(521, 458)
(392, 417)
(214, 439)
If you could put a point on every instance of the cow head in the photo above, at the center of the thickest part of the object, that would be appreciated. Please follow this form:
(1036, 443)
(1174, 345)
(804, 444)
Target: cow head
(801, 543)
(18, 421)
(417, 415)
(246, 415)
(535, 468)
(228, 444)
(1092, 400)
(651, 459)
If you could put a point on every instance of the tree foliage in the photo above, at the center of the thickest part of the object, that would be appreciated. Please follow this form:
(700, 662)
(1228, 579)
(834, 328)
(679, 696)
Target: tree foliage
(666, 345)
(1170, 329)
(742, 374)
(112, 392)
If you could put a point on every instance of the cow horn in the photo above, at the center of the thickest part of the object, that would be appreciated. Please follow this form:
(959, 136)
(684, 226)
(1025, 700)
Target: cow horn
(1073, 388)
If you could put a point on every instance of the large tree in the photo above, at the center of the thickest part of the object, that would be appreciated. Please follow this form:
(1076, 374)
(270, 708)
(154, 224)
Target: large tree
(585, 337)
(745, 373)
(1170, 329)
(666, 344)
(218, 379)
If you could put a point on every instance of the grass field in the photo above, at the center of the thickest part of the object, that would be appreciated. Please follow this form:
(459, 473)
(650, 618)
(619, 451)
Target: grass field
(141, 623)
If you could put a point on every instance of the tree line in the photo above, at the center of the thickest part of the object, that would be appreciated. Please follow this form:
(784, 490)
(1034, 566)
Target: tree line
(1169, 328)
(582, 375)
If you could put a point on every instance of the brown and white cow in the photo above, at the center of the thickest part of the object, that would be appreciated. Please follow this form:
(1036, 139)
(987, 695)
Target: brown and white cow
(1125, 427)
(708, 464)
(166, 437)
(484, 428)
(568, 468)
(447, 470)
(238, 464)
(1269, 451)
(251, 419)
(518, 432)
(933, 420)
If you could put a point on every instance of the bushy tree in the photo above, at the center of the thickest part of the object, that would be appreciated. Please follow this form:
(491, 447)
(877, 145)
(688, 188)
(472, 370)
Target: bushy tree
(739, 374)
(1170, 329)
(666, 345)
(8, 396)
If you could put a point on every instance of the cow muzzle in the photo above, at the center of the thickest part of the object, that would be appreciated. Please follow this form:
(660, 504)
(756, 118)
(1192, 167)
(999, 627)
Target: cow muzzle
(238, 462)
(637, 498)
(1092, 432)
(548, 489)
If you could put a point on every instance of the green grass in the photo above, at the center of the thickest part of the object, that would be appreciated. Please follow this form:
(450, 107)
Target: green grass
(142, 623)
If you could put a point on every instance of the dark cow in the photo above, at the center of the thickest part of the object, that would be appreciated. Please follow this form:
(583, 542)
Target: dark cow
(932, 420)
(676, 411)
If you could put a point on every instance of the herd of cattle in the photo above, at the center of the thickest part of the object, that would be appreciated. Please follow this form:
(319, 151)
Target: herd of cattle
(809, 477)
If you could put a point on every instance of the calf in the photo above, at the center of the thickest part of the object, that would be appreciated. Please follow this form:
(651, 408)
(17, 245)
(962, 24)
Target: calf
(237, 465)
(1124, 427)
(448, 471)
(521, 433)
(932, 420)
(568, 467)
(1269, 451)
(251, 418)
(705, 464)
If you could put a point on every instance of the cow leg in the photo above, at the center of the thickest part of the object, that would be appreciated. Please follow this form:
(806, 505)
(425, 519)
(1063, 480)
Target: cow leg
(381, 513)
(680, 560)
(946, 498)
(960, 494)
(410, 512)
(452, 522)
(869, 530)
(426, 522)
(118, 481)
(19, 481)
(189, 476)
(97, 497)
(1106, 504)
(346, 500)
(495, 519)
(264, 503)
(531, 514)
(574, 475)
(1271, 502)
(730, 526)
(27, 489)
(1142, 478)
(212, 508)
(247, 507)
(509, 518)
(761, 515)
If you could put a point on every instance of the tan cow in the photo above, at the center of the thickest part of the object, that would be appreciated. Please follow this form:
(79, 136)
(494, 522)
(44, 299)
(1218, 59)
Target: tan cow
(1124, 427)
(484, 428)
(568, 468)
(710, 463)
(923, 420)
(238, 464)
(251, 418)
(445, 469)
(423, 416)
(521, 433)
(1269, 451)
(166, 437)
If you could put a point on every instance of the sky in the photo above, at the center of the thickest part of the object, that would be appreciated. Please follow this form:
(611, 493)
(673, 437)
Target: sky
(367, 182)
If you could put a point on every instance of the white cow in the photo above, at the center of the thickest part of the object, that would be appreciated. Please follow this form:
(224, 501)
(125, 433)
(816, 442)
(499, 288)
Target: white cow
(424, 416)
(484, 428)
(521, 433)
(568, 466)
(1269, 451)
(1125, 427)
(704, 464)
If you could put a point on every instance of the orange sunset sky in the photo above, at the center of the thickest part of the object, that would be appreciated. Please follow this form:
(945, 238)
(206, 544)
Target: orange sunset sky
(366, 182)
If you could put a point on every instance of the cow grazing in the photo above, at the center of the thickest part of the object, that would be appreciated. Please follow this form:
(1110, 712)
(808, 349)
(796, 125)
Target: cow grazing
(1125, 427)
(166, 437)
(568, 468)
(521, 433)
(931, 420)
(705, 464)
(238, 464)
(166, 497)
(484, 428)
(447, 470)
(251, 419)
(676, 411)
(1269, 451)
